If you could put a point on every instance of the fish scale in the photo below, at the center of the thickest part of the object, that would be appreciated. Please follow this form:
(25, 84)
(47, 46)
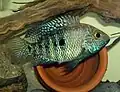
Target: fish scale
(59, 39)
(49, 27)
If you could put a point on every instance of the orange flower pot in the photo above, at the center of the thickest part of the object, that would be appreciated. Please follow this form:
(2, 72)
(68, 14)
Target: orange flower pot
(83, 79)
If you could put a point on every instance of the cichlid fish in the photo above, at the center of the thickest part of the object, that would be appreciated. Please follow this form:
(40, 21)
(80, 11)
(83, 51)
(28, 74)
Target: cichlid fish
(60, 39)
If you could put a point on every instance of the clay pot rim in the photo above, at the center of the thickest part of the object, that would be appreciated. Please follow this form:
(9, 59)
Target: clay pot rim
(84, 88)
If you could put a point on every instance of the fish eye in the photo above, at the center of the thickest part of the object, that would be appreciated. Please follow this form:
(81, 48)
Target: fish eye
(97, 35)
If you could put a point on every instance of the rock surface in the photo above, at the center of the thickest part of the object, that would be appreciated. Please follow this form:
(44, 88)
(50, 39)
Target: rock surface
(16, 84)
(12, 77)
(107, 87)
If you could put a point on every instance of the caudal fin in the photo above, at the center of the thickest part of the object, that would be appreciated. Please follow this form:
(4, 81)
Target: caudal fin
(18, 49)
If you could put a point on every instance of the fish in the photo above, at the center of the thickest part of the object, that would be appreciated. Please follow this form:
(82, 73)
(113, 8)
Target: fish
(61, 39)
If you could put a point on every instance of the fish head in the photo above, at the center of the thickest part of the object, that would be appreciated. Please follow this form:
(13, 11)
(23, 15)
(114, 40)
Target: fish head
(95, 40)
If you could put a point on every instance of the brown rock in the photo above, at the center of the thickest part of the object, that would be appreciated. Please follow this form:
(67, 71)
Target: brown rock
(12, 77)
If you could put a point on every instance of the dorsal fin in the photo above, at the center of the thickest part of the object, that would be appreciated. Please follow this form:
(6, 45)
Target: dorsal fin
(62, 21)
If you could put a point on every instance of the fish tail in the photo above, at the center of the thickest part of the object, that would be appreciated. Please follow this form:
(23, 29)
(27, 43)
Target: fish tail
(18, 49)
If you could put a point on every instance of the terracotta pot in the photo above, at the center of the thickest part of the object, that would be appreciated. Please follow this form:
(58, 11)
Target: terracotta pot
(84, 78)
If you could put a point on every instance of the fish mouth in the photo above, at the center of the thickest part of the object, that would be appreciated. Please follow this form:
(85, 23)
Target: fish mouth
(107, 42)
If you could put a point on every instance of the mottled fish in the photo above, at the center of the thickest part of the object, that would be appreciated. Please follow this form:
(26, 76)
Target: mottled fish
(59, 39)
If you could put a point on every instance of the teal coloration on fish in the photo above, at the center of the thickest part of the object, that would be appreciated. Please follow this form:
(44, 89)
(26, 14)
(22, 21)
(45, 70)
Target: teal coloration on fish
(59, 39)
